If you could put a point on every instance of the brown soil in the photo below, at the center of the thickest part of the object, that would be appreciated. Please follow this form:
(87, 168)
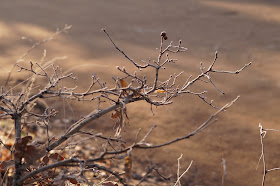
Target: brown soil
(242, 31)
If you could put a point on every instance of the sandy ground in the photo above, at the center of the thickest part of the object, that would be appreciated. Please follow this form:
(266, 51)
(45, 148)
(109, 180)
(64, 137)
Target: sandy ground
(242, 31)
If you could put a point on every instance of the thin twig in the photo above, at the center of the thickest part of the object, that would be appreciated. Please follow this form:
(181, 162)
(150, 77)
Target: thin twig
(262, 156)
(149, 170)
(262, 134)
(183, 173)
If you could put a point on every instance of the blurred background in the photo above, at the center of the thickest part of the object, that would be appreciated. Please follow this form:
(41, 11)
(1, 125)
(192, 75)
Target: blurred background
(241, 30)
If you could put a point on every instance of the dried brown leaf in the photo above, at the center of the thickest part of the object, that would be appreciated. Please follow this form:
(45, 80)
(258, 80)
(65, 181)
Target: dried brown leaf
(45, 160)
(73, 180)
(115, 115)
(20, 147)
(123, 83)
(56, 157)
(33, 153)
(23, 142)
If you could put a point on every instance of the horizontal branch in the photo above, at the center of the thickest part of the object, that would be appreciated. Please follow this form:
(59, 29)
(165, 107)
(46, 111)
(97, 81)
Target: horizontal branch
(233, 72)
(278, 168)
(82, 122)
(47, 167)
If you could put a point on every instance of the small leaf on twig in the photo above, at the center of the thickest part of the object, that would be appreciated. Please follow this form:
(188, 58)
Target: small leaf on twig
(160, 91)
(123, 83)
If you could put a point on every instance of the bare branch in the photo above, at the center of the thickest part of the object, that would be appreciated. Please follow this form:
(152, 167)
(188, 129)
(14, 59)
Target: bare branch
(262, 156)
(201, 127)
(135, 64)
(233, 72)
(224, 171)
(178, 179)
(149, 170)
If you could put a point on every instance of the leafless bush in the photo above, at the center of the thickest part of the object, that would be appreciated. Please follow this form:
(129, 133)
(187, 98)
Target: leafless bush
(31, 162)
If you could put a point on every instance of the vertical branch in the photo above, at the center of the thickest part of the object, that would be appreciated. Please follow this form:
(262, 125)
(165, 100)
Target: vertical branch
(265, 170)
(178, 170)
(262, 134)
(178, 179)
(223, 164)
(17, 159)
(224, 168)
(17, 120)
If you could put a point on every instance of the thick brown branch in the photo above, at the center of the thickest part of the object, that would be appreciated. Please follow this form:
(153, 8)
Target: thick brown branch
(82, 122)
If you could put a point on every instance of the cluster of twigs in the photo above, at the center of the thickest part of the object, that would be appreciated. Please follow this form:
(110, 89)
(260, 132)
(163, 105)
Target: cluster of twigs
(127, 89)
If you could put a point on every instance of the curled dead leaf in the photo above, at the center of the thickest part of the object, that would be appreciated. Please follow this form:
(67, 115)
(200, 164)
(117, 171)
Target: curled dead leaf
(56, 157)
(115, 115)
(123, 145)
(45, 160)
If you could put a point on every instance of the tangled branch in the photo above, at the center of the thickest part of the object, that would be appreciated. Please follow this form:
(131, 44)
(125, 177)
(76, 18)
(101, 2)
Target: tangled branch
(127, 89)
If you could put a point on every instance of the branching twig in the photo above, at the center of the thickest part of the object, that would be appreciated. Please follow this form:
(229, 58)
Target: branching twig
(149, 170)
(177, 183)
(265, 170)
